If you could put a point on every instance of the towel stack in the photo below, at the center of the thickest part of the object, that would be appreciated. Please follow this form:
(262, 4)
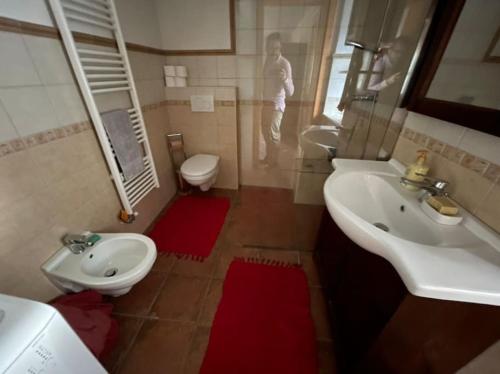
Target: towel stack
(175, 76)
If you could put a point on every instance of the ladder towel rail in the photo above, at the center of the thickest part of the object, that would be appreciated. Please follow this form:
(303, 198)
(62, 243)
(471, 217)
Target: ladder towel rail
(106, 72)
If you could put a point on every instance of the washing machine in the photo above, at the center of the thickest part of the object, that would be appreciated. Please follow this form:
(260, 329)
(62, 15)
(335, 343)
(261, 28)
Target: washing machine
(36, 339)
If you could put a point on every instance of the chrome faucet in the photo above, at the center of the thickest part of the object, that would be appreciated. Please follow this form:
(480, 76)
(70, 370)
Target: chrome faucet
(79, 243)
(431, 186)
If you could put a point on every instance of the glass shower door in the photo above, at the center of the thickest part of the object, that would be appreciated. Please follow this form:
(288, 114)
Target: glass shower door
(385, 35)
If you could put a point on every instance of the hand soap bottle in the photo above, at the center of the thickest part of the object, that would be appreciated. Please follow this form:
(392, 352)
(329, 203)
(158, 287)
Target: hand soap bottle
(418, 170)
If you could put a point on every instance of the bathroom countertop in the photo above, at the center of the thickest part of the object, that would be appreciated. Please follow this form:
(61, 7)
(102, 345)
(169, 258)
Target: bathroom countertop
(462, 265)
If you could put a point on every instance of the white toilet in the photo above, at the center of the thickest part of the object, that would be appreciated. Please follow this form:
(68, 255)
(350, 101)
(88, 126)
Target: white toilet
(201, 170)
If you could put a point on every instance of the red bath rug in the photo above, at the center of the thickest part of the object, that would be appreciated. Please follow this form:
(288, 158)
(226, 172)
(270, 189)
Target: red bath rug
(191, 226)
(263, 323)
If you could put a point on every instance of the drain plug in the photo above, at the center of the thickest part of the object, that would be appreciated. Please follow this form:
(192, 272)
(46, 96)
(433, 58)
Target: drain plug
(110, 272)
(381, 226)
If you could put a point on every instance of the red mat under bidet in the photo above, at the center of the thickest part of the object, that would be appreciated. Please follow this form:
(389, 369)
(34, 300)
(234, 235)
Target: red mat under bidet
(191, 226)
(263, 323)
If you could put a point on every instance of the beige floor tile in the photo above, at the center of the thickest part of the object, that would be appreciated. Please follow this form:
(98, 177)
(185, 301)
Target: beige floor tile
(164, 262)
(192, 268)
(320, 314)
(288, 257)
(180, 298)
(309, 266)
(211, 302)
(128, 327)
(160, 347)
(326, 357)
(141, 297)
(197, 351)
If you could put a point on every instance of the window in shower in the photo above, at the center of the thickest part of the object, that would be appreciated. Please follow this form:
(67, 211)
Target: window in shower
(340, 60)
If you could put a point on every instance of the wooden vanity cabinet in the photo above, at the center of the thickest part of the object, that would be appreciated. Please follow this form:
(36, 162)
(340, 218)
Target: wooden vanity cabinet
(379, 327)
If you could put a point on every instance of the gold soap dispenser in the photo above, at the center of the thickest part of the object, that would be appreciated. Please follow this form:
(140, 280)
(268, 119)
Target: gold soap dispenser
(418, 170)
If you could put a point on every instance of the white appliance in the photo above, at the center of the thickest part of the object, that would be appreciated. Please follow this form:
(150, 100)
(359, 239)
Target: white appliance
(36, 339)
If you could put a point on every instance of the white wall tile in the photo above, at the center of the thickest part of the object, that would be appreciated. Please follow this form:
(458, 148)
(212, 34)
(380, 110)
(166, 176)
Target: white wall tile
(29, 108)
(191, 63)
(291, 16)
(225, 93)
(246, 88)
(207, 82)
(447, 132)
(207, 67)
(246, 14)
(271, 16)
(247, 67)
(311, 16)
(17, 68)
(246, 42)
(227, 82)
(50, 60)
(226, 66)
(7, 129)
(67, 103)
(481, 144)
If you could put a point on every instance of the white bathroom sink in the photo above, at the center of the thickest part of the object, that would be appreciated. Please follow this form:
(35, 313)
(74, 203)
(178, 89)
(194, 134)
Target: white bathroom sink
(459, 262)
(112, 266)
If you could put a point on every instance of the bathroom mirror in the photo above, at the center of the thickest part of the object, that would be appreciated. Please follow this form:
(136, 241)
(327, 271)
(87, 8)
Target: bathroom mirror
(191, 27)
(460, 71)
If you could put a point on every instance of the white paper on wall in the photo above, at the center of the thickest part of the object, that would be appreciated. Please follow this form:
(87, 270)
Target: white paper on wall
(202, 103)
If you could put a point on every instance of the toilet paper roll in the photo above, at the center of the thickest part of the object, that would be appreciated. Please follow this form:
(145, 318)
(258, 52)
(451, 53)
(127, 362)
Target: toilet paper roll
(181, 71)
(180, 82)
(169, 70)
(170, 81)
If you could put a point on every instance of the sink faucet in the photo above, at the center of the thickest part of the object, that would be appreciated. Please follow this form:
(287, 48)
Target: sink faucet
(431, 186)
(79, 243)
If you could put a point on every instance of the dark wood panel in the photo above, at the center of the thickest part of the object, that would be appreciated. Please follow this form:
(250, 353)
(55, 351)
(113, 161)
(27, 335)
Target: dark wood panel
(433, 336)
(379, 327)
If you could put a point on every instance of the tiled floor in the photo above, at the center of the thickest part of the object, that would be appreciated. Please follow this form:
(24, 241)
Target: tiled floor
(165, 320)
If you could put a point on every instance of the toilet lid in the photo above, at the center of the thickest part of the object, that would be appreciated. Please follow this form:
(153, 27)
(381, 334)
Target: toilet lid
(199, 164)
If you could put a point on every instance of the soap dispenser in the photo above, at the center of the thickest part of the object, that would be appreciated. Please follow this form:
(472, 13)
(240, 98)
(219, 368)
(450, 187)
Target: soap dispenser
(418, 170)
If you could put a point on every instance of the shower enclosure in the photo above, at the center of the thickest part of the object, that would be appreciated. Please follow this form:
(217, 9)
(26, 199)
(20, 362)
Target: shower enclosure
(369, 53)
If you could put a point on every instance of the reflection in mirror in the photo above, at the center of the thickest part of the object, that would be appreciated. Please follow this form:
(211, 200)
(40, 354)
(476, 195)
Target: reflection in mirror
(468, 72)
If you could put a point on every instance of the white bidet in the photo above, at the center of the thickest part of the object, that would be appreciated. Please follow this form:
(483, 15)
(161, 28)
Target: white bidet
(112, 266)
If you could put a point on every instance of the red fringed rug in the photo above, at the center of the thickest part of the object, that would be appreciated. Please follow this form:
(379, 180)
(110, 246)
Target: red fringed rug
(263, 323)
(191, 226)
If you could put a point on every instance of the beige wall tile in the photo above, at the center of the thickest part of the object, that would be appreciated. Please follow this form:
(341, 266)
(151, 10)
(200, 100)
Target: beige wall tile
(488, 209)
(226, 116)
(64, 186)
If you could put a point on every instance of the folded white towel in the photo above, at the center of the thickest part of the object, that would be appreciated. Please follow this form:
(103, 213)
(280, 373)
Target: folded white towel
(170, 81)
(181, 71)
(169, 70)
(180, 82)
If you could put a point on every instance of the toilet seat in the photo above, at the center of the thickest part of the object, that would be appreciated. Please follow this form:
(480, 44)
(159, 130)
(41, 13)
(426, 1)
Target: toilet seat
(200, 166)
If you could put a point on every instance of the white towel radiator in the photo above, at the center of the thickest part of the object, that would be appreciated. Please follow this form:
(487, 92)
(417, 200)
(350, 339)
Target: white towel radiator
(103, 71)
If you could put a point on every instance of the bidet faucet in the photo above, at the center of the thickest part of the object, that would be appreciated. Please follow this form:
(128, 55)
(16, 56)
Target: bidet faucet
(79, 243)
